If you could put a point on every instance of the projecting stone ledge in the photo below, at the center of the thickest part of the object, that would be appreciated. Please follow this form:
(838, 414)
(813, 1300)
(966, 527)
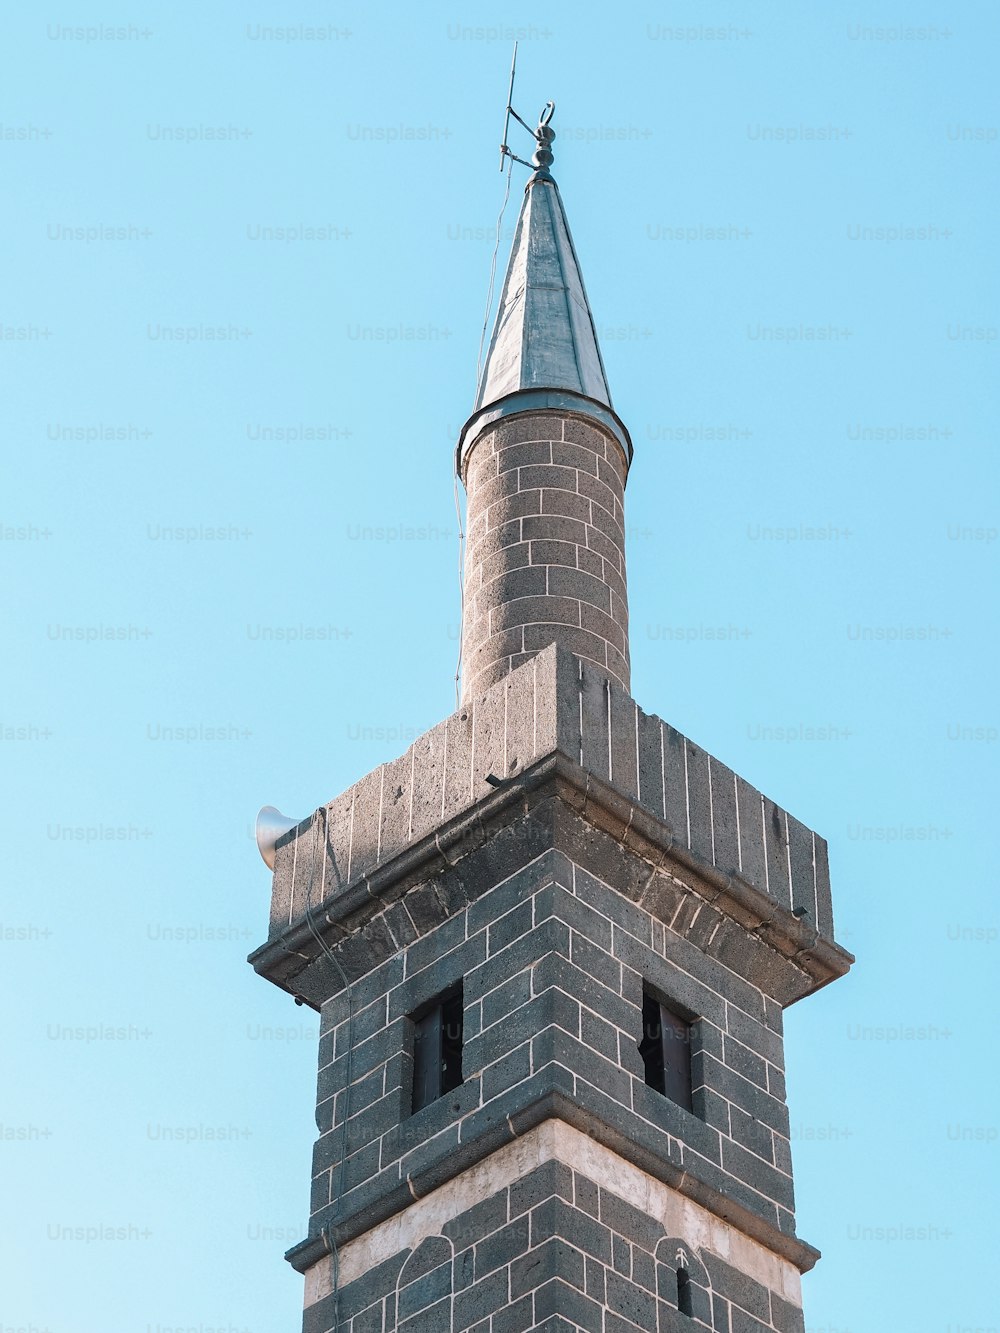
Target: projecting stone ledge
(554, 720)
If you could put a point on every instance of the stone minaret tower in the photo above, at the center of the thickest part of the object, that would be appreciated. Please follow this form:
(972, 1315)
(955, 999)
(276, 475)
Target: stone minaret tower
(551, 943)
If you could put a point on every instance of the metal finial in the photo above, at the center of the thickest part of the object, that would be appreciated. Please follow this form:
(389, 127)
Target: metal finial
(543, 134)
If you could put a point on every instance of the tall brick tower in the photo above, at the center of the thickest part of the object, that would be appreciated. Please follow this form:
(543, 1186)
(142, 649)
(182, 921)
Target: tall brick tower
(551, 943)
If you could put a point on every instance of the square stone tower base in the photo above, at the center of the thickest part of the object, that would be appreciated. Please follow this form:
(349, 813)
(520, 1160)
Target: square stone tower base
(556, 853)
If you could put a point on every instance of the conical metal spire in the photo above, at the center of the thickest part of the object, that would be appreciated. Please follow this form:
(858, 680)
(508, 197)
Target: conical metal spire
(544, 336)
(544, 351)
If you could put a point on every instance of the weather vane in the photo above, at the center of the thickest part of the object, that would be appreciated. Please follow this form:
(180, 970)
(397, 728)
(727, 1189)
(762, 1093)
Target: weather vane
(543, 134)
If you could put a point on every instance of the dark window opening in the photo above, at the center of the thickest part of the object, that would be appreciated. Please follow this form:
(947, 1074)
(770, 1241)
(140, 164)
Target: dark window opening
(437, 1049)
(666, 1051)
(684, 1292)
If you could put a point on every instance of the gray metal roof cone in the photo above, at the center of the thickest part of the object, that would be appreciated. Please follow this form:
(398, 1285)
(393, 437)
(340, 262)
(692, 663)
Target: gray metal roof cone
(544, 351)
(544, 335)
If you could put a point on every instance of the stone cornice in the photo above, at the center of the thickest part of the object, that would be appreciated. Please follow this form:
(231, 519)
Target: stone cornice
(285, 958)
(551, 1103)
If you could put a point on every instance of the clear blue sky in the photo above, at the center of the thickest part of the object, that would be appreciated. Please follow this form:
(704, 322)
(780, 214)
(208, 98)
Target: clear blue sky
(726, 170)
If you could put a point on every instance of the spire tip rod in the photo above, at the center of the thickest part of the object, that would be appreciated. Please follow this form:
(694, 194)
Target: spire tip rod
(543, 134)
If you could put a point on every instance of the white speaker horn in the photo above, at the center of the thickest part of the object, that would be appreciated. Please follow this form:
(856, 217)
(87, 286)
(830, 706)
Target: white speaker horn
(271, 824)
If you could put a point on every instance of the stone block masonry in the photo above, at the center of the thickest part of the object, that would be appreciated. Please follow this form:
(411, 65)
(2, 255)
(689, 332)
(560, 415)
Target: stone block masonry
(429, 805)
(545, 560)
(614, 856)
(550, 898)
(553, 1232)
(553, 963)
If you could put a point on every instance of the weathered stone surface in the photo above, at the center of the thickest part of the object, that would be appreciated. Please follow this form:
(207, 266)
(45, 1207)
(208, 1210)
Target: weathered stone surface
(824, 904)
(776, 852)
(800, 858)
(545, 552)
(548, 926)
(753, 860)
(554, 1232)
(725, 825)
(282, 912)
(699, 795)
(554, 894)
(675, 783)
(595, 703)
(556, 704)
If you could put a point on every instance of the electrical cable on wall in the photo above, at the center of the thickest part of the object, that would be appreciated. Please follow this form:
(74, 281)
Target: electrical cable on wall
(461, 594)
(493, 273)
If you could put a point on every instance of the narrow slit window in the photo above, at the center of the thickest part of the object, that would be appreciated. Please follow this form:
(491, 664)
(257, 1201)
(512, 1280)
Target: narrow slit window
(684, 1292)
(666, 1051)
(437, 1049)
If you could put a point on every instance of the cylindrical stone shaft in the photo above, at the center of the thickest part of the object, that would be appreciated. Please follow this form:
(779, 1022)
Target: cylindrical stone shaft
(545, 554)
